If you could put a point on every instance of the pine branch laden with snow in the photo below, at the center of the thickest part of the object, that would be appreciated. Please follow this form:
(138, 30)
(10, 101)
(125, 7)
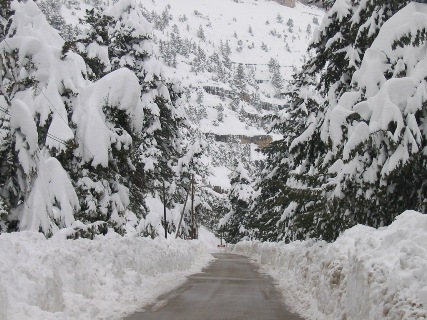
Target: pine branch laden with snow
(97, 131)
(94, 42)
(383, 158)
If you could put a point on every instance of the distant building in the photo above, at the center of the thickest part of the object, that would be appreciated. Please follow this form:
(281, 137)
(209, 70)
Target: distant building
(288, 3)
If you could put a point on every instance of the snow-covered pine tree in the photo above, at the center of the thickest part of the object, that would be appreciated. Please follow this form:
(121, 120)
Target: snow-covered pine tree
(290, 24)
(200, 96)
(234, 222)
(238, 83)
(276, 77)
(93, 43)
(52, 10)
(220, 112)
(194, 164)
(199, 62)
(201, 33)
(6, 13)
(164, 116)
(381, 165)
(256, 101)
(226, 52)
(35, 186)
(109, 118)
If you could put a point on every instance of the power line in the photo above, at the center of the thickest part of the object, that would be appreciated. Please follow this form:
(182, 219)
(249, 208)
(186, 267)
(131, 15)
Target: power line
(56, 139)
(5, 111)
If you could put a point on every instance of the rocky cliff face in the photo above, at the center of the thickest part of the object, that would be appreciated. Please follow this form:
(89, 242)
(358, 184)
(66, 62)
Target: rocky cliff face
(288, 3)
(260, 140)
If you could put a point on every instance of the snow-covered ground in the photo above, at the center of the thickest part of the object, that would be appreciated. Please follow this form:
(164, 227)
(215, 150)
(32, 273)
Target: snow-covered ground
(105, 278)
(366, 274)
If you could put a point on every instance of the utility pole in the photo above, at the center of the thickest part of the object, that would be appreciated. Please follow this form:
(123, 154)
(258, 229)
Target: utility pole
(164, 210)
(182, 214)
(193, 228)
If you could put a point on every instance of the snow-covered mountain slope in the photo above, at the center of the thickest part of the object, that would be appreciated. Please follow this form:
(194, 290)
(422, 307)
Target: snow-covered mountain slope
(256, 32)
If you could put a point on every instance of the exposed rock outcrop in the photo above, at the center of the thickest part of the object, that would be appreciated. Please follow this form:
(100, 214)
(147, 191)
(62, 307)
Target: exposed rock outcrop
(288, 3)
(261, 140)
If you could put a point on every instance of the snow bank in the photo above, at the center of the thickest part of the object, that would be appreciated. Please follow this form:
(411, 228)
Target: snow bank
(365, 274)
(103, 278)
(208, 238)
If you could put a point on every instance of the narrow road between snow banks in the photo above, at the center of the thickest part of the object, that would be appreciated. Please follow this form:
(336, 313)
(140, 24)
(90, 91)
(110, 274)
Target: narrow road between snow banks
(229, 288)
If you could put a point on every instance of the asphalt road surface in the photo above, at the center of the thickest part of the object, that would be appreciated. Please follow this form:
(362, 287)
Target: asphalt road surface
(230, 288)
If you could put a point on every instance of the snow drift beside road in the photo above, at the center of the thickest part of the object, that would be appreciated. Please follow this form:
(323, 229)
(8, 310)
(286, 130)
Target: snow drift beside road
(365, 274)
(89, 279)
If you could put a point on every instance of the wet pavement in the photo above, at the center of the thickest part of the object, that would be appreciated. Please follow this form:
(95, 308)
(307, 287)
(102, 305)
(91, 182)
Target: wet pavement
(230, 288)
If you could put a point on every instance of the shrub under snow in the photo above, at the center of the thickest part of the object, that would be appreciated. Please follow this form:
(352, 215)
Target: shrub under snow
(89, 279)
(365, 274)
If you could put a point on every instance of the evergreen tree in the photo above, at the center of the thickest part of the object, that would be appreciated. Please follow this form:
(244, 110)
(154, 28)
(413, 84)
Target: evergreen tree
(264, 47)
(380, 166)
(251, 78)
(240, 194)
(276, 79)
(155, 148)
(52, 10)
(35, 125)
(308, 30)
(199, 62)
(159, 140)
(238, 84)
(200, 96)
(6, 13)
(226, 52)
(220, 113)
(93, 44)
(256, 101)
(290, 24)
(201, 33)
